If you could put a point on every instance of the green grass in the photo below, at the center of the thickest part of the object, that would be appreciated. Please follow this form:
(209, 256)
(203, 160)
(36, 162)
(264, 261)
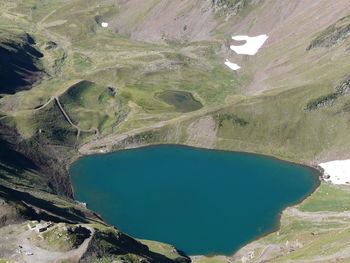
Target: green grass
(92, 106)
(88, 59)
(107, 58)
(329, 244)
(279, 126)
(161, 248)
(214, 259)
(56, 239)
(328, 198)
(50, 124)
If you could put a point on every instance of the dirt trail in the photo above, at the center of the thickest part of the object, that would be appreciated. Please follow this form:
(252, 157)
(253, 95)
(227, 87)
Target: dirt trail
(44, 105)
(66, 116)
(42, 255)
(106, 142)
(46, 17)
(33, 254)
(317, 216)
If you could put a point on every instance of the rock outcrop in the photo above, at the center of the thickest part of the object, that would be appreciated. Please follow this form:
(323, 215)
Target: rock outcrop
(333, 35)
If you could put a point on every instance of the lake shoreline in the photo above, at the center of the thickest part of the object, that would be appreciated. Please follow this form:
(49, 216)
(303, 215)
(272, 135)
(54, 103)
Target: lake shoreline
(316, 169)
(278, 227)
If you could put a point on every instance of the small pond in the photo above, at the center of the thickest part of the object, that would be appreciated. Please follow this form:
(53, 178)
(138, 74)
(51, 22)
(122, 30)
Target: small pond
(182, 101)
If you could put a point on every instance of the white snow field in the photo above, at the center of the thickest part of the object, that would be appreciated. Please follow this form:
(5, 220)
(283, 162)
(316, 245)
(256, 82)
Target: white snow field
(338, 171)
(231, 65)
(252, 45)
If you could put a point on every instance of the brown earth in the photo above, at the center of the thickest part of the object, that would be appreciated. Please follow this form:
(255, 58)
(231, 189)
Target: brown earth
(156, 21)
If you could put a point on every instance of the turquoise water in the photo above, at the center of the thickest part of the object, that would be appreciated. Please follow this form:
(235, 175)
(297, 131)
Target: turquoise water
(201, 201)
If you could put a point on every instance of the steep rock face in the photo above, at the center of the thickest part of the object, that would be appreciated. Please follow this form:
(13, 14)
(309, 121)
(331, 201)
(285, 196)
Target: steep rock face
(19, 65)
(333, 35)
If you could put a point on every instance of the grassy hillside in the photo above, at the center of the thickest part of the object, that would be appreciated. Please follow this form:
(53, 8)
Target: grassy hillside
(72, 87)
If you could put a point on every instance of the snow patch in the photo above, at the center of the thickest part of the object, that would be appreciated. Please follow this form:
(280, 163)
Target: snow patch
(231, 65)
(337, 172)
(252, 45)
(104, 24)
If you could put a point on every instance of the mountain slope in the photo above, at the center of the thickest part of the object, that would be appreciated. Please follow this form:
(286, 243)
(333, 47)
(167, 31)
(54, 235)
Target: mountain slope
(101, 92)
(20, 67)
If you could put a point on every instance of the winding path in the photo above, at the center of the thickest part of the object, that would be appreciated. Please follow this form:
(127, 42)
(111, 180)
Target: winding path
(92, 146)
(38, 254)
(66, 116)
(44, 105)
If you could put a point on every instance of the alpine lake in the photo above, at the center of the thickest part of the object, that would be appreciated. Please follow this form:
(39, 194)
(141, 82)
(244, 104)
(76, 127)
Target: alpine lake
(203, 202)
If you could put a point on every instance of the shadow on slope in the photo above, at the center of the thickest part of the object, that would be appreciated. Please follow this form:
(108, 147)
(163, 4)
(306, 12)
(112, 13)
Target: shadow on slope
(34, 208)
(19, 64)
